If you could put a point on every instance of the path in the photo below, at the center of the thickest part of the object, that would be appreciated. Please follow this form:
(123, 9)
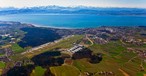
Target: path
(122, 42)
(131, 59)
(124, 73)
(89, 40)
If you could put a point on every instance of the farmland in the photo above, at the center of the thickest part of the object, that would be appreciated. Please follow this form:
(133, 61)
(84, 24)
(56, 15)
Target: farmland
(104, 51)
(65, 70)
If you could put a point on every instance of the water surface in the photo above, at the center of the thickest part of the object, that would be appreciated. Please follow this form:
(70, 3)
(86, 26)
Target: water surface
(76, 20)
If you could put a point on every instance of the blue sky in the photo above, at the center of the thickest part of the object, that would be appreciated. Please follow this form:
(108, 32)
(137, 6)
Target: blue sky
(95, 3)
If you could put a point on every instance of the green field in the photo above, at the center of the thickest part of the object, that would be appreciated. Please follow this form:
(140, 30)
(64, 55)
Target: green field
(2, 65)
(111, 48)
(106, 65)
(38, 71)
(65, 70)
(2, 54)
(16, 48)
(115, 57)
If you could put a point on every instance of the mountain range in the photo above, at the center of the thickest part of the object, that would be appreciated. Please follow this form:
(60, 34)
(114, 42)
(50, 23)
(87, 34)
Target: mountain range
(73, 10)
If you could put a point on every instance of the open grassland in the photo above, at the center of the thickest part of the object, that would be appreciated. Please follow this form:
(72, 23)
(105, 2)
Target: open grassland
(65, 70)
(16, 48)
(2, 54)
(111, 49)
(108, 65)
(38, 71)
(2, 65)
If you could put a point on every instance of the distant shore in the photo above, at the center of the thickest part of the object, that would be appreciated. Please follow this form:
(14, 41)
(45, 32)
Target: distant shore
(37, 25)
(46, 26)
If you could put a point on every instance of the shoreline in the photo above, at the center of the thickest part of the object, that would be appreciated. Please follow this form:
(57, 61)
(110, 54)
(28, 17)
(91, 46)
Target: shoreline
(37, 25)
(45, 26)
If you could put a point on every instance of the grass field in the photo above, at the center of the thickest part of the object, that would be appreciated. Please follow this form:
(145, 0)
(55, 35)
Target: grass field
(16, 48)
(38, 71)
(2, 65)
(2, 54)
(107, 65)
(65, 70)
(112, 48)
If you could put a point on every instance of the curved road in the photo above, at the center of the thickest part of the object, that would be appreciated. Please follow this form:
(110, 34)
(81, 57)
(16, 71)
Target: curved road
(90, 40)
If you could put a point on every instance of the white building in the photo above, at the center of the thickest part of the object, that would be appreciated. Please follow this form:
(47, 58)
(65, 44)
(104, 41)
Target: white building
(76, 48)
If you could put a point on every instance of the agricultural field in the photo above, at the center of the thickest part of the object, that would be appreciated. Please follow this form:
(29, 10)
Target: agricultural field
(2, 66)
(16, 48)
(116, 60)
(38, 71)
(65, 70)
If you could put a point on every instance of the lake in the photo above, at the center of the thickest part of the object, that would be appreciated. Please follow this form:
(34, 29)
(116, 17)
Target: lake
(76, 20)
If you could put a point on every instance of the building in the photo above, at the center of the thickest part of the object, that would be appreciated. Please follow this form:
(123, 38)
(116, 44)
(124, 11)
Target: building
(76, 48)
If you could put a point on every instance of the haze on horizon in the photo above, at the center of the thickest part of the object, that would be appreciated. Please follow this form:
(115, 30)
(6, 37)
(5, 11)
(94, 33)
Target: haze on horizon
(94, 3)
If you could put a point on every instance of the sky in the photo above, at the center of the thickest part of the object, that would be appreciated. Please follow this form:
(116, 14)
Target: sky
(94, 3)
